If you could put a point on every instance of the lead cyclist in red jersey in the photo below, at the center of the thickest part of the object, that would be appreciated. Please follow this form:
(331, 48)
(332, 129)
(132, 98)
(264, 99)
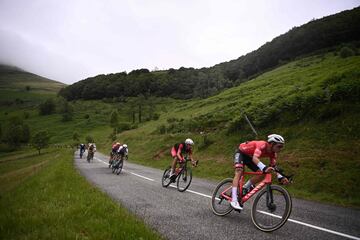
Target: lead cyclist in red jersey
(249, 153)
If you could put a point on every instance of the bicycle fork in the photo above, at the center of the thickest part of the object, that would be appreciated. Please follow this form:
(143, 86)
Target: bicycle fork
(270, 199)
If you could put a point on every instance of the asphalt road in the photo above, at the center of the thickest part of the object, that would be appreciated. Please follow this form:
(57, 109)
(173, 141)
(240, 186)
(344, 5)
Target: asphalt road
(188, 215)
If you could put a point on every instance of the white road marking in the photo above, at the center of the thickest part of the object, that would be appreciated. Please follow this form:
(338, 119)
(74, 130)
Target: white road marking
(312, 226)
(273, 215)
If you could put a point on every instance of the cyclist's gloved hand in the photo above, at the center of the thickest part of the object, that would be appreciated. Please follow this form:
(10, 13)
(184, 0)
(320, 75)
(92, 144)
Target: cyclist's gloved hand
(284, 180)
(194, 163)
(268, 169)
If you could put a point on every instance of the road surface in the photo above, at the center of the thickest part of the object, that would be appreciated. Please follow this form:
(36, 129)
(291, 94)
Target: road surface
(188, 215)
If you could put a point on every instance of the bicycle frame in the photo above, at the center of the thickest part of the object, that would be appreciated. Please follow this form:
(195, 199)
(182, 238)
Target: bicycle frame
(266, 181)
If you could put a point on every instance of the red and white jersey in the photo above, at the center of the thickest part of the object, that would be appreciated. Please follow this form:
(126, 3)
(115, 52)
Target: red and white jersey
(258, 149)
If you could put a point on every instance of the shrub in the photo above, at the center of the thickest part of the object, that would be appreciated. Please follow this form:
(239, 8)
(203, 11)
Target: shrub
(47, 107)
(346, 52)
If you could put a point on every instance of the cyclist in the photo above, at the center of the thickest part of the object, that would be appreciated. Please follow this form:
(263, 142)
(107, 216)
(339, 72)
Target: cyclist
(114, 149)
(177, 152)
(249, 153)
(91, 150)
(82, 149)
(123, 151)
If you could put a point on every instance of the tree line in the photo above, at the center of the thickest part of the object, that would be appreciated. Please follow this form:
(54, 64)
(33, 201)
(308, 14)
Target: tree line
(184, 83)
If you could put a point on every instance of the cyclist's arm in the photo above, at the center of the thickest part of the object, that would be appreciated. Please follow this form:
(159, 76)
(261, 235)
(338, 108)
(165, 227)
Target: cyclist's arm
(258, 163)
(178, 154)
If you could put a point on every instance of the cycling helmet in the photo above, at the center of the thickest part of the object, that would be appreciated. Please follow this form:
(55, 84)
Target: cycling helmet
(124, 145)
(276, 138)
(118, 143)
(189, 141)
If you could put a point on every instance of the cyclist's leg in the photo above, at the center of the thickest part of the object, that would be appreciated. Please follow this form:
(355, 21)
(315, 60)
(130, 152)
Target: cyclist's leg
(238, 164)
(173, 165)
(255, 179)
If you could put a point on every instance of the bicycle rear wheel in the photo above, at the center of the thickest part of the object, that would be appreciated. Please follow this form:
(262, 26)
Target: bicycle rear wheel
(120, 166)
(220, 205)
(165, 181)
(268, 216)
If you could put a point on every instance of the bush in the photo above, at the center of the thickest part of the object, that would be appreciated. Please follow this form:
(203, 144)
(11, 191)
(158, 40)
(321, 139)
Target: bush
(206, 142)
(89, 139)
(156, 116)
(47, 107)
(123, 126)
(162, 129)
(346, 52)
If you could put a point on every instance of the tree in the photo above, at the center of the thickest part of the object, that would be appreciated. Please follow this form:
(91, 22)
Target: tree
(67, 110)
(114, 120)
(76, 139)
(76, 136)
(13, 135)
(25, 133)
(47, 107)
(16, 132)
(41, 140)
(89, 139)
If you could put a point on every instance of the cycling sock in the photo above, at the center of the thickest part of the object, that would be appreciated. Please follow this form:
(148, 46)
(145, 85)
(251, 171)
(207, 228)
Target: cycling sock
(248, 185)
(234, 194)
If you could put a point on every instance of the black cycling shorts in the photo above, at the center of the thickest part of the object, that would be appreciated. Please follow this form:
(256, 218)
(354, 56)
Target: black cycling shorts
(242, 158)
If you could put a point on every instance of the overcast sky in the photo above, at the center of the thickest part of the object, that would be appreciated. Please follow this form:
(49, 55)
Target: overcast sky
(70, 40)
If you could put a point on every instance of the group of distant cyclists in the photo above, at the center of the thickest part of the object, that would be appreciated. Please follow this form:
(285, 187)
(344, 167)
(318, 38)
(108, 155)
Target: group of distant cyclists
(248, 154)
(90, 147)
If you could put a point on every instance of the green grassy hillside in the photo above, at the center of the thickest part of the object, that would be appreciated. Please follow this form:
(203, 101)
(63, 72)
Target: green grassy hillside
(12, 78)
(312, 102)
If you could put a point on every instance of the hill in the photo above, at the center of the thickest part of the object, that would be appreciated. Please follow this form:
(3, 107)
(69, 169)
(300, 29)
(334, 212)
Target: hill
(18, 87)
(313, 102)
(13, 78)
(318, 36)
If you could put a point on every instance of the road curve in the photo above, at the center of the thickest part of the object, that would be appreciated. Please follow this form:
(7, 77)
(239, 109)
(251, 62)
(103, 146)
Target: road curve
(188, 215)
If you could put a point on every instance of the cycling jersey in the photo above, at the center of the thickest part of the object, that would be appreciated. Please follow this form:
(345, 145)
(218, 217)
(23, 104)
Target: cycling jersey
(180, 148)
(123, 151)
(258, 149)
(115, 147)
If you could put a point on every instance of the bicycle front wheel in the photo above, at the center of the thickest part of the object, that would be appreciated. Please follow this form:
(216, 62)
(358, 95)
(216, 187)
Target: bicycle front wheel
(219, 204)
(165, 181)
(269, 216)
(184, 179)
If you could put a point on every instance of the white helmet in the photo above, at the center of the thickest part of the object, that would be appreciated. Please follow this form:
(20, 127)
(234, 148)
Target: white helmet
(276, 138)
(189, 141)
(124, 145)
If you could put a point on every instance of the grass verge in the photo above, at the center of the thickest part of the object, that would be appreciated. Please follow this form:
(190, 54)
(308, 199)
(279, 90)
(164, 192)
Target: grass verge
(57, 203)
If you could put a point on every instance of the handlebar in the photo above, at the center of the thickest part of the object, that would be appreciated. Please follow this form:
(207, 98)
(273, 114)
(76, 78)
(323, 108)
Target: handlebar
(289, 177)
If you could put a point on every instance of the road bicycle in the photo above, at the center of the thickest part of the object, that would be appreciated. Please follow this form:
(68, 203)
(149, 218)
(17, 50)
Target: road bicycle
(81, 153)
(90, 156)
(118, 163)
(183, 175)
(271, 207)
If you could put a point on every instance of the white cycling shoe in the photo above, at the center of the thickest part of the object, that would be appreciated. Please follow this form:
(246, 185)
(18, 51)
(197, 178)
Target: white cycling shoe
(236, 205)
